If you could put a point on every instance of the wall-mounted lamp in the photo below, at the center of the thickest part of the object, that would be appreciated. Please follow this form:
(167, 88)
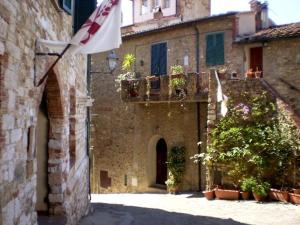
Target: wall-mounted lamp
(112, 61)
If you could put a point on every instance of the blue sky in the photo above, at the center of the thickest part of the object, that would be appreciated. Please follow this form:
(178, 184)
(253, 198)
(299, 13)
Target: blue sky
(280, 11)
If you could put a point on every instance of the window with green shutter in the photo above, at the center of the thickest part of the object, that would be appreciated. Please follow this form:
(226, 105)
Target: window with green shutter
(83, 9)
(215, 49)
(66, 5)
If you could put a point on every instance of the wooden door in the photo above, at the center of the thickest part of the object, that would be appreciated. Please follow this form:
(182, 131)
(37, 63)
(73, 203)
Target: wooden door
(256, 59)
(161, 158)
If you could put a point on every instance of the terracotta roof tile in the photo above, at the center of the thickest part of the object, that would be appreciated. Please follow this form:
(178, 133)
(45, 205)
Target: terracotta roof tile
(283, 31)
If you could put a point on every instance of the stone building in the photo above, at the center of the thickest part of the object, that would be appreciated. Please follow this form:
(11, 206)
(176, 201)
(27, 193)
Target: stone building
(132, 133)
(149, 14)
(44, 160)
(276, 51)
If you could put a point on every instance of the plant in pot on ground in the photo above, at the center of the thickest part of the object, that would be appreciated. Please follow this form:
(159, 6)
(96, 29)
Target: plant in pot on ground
(249, 140)
(128, 75)
(246, 187)
(261, 190)
(176, 167)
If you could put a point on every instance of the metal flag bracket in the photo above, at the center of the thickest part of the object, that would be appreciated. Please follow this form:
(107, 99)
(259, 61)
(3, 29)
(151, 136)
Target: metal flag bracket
(36, 82)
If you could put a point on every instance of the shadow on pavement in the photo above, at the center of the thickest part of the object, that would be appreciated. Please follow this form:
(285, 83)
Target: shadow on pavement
(115, 214)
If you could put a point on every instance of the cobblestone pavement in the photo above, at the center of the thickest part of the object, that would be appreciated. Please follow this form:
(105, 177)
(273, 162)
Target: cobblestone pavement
(186, 209)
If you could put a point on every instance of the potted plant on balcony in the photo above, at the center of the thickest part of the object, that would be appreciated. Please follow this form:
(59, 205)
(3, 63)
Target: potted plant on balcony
(176, 71)
(128, 77)
(176, 167)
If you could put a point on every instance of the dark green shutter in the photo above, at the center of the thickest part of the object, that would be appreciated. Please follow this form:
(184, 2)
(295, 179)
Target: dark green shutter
(66, 5)
(82, 11)
(155, 60)
(159, 59)
(210, 50)
(219, 49)
(163, 59)
(215, 49)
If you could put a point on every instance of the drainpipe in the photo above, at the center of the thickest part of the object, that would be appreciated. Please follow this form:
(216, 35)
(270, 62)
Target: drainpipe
(198, 103)
(88, 120)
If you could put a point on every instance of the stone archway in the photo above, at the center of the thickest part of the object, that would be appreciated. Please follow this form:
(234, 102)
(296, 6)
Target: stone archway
(57, 143)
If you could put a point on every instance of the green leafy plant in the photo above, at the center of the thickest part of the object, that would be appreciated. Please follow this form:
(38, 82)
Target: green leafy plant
(176, 69)
(261, 189)
(178, 83)
(176, 166)
(250, 141)
(248, 183)
(129, 74)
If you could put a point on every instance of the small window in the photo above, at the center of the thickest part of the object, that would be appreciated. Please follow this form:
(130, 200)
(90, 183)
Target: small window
(215, 49)
(66, 5)
(144, 9)
(156, 4)
(166, 4)
(82, 11)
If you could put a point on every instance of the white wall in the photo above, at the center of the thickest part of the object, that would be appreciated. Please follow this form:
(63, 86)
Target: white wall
(246, 24)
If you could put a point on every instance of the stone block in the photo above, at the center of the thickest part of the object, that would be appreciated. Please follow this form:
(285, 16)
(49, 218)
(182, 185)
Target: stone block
(8, 213)
(15, 135)
(2, 48)
(56, 198)
(8, 122)
(3, 28)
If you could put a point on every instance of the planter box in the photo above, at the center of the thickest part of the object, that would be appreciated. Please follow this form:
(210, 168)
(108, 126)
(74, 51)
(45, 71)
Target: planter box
(294, 198)
(278, 195)
(209, 195)
(296, 191)
(227, 194)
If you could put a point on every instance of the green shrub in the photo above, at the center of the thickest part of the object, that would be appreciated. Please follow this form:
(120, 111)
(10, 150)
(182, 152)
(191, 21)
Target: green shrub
(261, 189)
(248, 184)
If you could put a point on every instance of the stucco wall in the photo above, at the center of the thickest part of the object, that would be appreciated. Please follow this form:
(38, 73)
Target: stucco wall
(22, 23)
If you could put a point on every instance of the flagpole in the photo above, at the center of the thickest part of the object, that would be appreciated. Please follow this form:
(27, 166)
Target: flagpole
(53, 65)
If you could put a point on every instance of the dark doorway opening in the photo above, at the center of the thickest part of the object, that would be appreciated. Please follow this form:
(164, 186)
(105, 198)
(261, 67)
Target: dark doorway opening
(42, 159)
(161, 158)
(256, 59)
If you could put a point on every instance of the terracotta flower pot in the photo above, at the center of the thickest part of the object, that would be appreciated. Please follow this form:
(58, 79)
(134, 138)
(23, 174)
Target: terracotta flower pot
(258, 197)
(227, 194)
(245, 195)
(209, 195)
(294, 198)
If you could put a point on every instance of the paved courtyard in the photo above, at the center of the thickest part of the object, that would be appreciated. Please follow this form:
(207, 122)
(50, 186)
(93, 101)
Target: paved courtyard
(186, 209)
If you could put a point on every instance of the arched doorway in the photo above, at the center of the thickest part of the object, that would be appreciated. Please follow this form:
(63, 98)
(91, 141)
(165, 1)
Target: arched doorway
(41, 154)
(161, 158)
(51, 144)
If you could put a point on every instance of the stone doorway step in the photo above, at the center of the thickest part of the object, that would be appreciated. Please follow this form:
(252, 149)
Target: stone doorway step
(52, 220)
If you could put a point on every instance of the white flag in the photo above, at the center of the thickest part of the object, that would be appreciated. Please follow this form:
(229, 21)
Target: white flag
(102, 31)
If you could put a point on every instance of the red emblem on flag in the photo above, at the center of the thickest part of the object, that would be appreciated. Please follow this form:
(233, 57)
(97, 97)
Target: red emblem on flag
(94, 24)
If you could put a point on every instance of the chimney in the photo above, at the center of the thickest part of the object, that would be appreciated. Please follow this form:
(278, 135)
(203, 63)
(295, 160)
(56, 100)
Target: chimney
(261, 14)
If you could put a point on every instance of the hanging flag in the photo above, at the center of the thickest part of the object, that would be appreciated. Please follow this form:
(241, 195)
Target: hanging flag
(221, 97)
(101, 32)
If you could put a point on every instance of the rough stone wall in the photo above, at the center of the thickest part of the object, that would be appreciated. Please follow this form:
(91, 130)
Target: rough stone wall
(22, 23)
(122, 133)
(193, 9)
(281, 62)
(233, 89)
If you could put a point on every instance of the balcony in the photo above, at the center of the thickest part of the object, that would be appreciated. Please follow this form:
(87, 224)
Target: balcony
(158, 89)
